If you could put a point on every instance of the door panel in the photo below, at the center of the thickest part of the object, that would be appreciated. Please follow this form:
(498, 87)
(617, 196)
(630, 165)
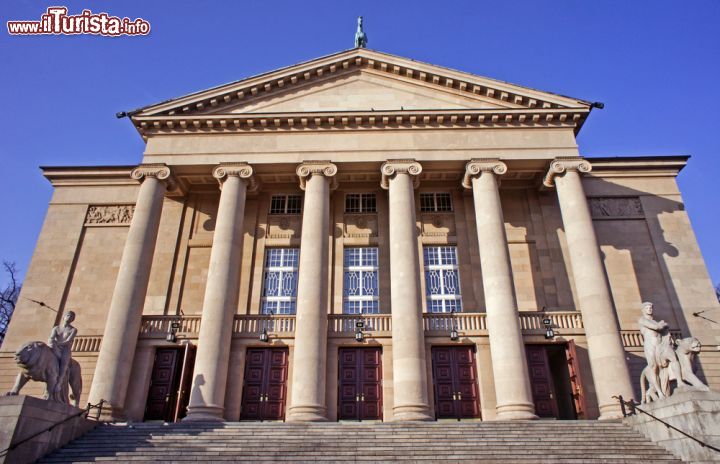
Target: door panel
(455, 382)
(164, 382)
(359, 384)
(541, 382)
(576, 385)
(265, 384)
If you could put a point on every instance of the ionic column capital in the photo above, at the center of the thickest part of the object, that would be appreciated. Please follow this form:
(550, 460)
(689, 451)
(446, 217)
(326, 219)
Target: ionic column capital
(475, 167)
(391, 168)
(562, 165)
(241, 170)
(316, 168)
(159, 171)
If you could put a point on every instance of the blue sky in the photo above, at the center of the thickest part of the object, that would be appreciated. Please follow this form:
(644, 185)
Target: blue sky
(653, 63)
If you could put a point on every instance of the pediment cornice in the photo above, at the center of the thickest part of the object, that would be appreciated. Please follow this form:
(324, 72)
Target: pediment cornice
(215, 104)
(362, 120)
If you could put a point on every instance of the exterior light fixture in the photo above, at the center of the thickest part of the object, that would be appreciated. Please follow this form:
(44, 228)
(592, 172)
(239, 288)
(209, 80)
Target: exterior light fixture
(174, 327)
(264, 337)
(359, 336)
(549, 332)
(454, 336)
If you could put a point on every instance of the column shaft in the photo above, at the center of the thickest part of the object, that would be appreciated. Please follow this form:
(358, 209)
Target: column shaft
(207, 398)
(408, 336)
(112, 374)
(605, 349)
(309, 357)
(507, 350)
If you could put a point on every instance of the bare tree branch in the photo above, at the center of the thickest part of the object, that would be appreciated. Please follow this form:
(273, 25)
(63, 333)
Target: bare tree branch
(8, 297)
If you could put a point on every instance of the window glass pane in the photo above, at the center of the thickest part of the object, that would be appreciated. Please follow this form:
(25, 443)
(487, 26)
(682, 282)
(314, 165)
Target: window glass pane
(285, 204)
(442, 279)
(435, 202)
(280, 281)
(360, 281)
(293, 204)
(360, 203)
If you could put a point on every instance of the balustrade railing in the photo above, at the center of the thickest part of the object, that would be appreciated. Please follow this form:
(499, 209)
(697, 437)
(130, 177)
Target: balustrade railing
(255, 323)
(374, 323)
(159, 326)
(633, 338)
(86, 343)
(466, 323)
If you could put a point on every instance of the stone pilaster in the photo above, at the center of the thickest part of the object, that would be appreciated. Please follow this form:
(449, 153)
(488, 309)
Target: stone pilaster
(400, 177)
(507, 350)
(112, 374)
(605, 349)
(207, 398)
(309, 357)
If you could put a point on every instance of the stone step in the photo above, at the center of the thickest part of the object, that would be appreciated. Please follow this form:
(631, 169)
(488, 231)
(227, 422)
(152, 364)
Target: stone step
(501, 442)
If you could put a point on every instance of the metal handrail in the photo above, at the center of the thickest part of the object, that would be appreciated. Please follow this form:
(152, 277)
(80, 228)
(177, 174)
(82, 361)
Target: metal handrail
(634, 407)
(85, 411)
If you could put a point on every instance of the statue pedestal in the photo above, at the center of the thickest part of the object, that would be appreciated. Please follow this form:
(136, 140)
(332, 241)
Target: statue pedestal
(24, 416)
(694, 412)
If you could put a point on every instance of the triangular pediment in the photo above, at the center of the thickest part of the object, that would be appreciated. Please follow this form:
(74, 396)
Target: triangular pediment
(362, 91)
(359, 80)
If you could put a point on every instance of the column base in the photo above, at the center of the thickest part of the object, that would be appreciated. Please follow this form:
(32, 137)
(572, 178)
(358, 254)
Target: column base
(610, 412)
(411, 413)
(204, 414)
(314, 413)
(110, 413)
(516, 411)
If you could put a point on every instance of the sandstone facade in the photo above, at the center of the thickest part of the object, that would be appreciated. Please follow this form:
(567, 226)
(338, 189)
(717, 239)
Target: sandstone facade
(384, 153)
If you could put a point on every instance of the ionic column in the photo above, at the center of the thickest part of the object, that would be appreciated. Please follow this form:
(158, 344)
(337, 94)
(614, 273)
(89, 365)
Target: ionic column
(408, 336)
(309, 357)
(117, 350)
(605, 348)
(207, 398)
(507, 350)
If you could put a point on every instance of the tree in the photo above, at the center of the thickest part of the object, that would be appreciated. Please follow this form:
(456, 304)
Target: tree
(717, 291)
(8, 298)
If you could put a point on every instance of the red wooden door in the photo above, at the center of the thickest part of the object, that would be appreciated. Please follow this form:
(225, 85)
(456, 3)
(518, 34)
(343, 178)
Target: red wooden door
(541, 381)
(185, 383)
(264, 388)
(359, 384)
(576, 385)
(455, 382)
(164, 381)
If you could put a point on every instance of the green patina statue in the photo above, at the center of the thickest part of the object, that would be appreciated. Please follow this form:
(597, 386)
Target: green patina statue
(360, 36)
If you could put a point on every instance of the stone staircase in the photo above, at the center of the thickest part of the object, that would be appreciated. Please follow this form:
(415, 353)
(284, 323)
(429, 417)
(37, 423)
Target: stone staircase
(426, 442)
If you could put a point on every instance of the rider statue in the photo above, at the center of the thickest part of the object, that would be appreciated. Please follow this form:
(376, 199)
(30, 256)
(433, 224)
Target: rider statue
(61, 340)
(658, 348)
(361, 38)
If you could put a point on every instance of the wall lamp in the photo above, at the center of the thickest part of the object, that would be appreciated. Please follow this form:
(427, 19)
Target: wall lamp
(171, 337)
(454, 335)
(359, 326)
(264, 337)
(549, 332)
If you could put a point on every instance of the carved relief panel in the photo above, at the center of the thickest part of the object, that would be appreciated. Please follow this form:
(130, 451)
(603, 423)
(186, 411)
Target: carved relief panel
(360, 225)
(438, 224)
(109, 214)
(615, 207)
(284, 226)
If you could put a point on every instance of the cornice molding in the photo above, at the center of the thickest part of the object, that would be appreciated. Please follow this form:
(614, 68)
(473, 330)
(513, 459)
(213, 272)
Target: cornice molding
(242, 170)
(561, 165)
(319, 168)
(475, 167)
(361, 120)
(393, 167)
